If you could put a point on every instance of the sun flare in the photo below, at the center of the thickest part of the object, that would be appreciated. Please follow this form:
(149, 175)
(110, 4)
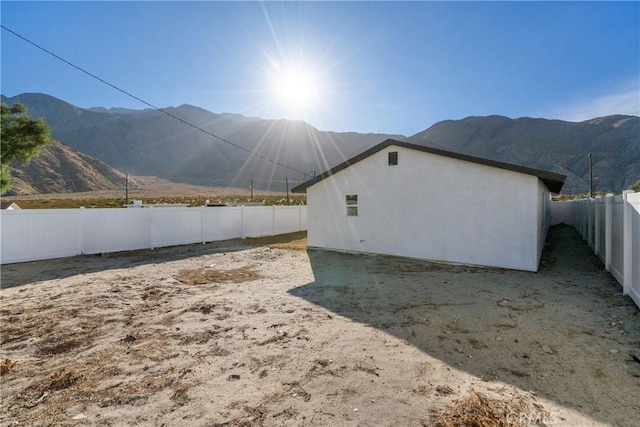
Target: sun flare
(296, 88)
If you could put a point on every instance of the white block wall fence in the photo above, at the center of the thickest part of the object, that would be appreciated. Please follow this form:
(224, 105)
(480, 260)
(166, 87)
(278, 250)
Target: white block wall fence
(36, 234)
(611, 227)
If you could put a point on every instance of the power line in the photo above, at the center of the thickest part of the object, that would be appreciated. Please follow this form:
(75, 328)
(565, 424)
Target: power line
(252, 153)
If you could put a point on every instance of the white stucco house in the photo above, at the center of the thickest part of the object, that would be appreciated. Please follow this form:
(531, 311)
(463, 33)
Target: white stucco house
(409, 200)
(10, 206)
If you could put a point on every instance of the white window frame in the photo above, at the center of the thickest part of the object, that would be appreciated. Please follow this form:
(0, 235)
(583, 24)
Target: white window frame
(351, 201)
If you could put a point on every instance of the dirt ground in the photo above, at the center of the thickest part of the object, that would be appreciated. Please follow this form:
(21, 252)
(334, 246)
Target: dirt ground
(262, 332)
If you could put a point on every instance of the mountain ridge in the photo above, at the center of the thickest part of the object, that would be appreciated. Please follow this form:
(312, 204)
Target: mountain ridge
(549, 144)
(60, 169)
(150, 143)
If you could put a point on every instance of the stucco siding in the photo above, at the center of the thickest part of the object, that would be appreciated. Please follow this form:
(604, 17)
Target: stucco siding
(544, 217)
(429, 207)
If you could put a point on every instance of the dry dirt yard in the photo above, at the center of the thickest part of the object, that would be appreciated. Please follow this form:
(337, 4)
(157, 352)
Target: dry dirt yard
(261, 332)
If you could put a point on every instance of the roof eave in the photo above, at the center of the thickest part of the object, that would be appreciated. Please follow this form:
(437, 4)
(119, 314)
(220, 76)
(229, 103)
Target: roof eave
(553, 181)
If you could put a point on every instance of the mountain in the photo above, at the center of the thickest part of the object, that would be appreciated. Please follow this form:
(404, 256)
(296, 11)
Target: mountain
(60, 169)
(552, 145)
(152, 143)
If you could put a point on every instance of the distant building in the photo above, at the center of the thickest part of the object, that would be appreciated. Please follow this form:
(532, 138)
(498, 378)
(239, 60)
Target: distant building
(223, 205)
(414, 201)
(139, 204)
(9, 206)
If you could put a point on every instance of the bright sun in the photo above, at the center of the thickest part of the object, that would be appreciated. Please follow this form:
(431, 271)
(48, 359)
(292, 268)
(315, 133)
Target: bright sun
(296, 89)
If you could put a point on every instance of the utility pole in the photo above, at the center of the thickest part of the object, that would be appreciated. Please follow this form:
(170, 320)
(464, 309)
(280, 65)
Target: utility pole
(251, 189)
(590, 175)
(126, 188)
(287, 182)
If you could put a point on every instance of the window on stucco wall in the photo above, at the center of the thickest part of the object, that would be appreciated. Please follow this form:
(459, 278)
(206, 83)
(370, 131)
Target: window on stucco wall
(352, 204)
(393, 158)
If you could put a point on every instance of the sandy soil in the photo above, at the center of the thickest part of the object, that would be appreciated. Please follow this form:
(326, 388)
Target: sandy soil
(262, 332)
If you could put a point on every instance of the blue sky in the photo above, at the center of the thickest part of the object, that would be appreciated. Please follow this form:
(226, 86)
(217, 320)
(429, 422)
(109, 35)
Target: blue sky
(393, 67)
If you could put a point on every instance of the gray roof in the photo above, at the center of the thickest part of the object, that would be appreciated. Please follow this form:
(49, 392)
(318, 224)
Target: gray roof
(553, 181)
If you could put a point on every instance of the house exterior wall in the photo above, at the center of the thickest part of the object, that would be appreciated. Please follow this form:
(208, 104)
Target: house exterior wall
(430, 207)
(544, 217)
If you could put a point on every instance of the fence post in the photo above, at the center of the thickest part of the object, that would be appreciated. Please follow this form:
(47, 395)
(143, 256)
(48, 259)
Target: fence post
(607, 231)
(242, 222)
(579, 216)
(81, 243)
(202, 208)
(596, 228)
(582, 229)
(590, 225)
(626, 242)
(299, 217)
(151, 241)
(273, 220)
(586, 220)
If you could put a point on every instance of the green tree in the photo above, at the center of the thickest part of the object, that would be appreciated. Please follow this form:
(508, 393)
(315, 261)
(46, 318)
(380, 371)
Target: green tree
(636, 186)
(21, 139)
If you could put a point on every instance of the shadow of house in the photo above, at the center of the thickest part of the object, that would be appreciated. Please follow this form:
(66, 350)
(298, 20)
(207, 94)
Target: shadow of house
(502, 325)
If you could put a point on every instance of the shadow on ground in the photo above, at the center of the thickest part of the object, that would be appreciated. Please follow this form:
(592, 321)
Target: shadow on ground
(25, 273)
(565, 333)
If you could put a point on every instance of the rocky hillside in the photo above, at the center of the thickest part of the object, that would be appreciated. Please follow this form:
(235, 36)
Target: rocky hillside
(553, 145)
(151, 143)
(60, 169)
